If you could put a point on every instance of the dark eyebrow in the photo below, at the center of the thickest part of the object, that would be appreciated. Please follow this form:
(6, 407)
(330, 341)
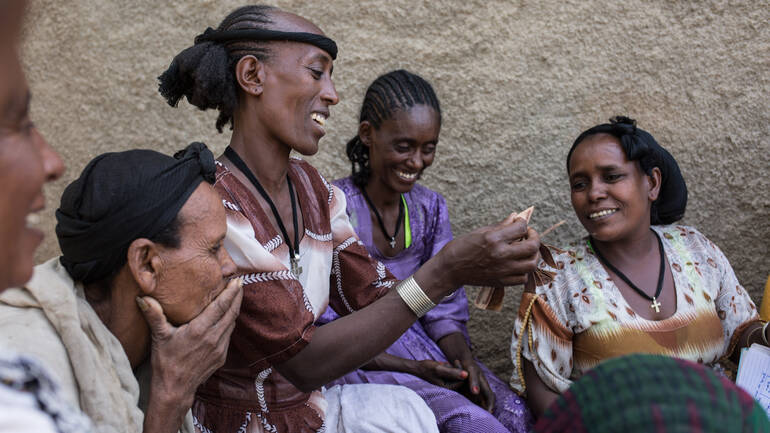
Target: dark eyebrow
(602, 168)
(15, 108)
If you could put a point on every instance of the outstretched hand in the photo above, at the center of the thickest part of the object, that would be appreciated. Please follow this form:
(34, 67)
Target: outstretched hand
(499, 255)
(183, 357)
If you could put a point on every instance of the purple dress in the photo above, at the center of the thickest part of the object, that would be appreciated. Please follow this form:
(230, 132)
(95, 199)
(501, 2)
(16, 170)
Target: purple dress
(429, 223)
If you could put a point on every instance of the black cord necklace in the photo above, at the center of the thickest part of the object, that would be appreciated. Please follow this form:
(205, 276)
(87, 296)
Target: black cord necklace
(293, 252)
(379, 218)
(655, 304)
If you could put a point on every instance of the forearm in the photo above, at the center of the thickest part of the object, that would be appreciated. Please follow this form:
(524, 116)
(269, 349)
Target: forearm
(751, 334)
(455, 347)
(348, 342)
(539, 396)
(387, 362)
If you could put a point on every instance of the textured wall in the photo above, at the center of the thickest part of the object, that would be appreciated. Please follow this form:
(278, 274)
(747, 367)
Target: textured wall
(518, 80)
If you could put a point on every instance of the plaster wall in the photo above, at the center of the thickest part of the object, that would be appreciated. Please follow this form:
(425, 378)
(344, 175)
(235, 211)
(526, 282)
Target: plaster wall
(517, 80)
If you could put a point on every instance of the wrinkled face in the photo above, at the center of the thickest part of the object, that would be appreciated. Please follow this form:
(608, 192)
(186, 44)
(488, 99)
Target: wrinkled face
(610, 194)
(196, 272)
(403, 146)
(298, 89)
(26, 163)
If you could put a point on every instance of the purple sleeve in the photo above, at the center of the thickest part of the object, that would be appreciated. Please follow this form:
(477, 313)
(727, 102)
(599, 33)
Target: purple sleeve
(451, 314)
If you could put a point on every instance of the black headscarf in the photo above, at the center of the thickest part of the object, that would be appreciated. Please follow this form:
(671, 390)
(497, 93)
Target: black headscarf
(640, 146)
(120, 197)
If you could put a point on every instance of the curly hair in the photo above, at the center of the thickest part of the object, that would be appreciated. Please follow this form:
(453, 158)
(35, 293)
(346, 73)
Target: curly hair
(204, 72)
(396, 90)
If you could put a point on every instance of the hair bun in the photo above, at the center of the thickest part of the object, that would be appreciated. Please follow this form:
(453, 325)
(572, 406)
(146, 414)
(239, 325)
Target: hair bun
(622, 120)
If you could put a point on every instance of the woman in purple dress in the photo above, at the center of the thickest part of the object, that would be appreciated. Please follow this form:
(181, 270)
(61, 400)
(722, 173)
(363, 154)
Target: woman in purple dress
(403, 224)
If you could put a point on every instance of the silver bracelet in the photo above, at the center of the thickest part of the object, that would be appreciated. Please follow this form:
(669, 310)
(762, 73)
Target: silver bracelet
(414, 297)
(764, 335)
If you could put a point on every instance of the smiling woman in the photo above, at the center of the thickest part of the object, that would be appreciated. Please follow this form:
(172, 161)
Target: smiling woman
(403, 224)
(638, 283)
(268, 72)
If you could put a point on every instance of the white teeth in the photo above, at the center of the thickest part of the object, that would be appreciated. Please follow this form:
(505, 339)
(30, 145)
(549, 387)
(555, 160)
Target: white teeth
(602, 213)
(33, 219)
(407, 176)
(319, 118)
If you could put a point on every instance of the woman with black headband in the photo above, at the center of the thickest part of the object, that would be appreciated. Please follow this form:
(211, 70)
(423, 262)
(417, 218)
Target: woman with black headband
(638, 283)
(268, 73)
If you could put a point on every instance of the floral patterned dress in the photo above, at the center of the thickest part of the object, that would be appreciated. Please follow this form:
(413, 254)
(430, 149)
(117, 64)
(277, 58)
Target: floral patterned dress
(581, 319)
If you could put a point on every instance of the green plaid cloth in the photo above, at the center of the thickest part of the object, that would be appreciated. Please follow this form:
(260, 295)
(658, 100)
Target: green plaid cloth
(656, 394)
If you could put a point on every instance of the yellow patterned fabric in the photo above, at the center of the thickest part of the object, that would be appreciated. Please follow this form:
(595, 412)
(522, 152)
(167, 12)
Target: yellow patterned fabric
(581, 319)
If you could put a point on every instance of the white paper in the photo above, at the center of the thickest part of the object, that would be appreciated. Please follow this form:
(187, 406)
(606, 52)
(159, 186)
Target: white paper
(754, 374)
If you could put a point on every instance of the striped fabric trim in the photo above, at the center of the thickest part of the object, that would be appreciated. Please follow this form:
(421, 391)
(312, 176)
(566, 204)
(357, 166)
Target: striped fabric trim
(262, 277)
(231, 205)
(273, 244)
(321, 238)
(216, 161)
(338, 272)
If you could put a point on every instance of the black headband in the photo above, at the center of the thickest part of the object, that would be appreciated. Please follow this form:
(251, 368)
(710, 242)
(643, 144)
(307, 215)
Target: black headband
(322, 42)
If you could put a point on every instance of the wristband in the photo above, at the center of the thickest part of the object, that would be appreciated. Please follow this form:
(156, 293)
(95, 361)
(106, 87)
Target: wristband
(414, 297)
(764, 335)
(748, 337)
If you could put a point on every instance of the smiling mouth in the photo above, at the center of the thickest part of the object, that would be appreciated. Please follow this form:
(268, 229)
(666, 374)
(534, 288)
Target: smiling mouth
(319, 118)
(602, 213)
(406, 176)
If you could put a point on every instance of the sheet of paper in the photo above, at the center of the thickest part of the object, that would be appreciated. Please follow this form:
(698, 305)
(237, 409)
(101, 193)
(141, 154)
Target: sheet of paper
(754, 374)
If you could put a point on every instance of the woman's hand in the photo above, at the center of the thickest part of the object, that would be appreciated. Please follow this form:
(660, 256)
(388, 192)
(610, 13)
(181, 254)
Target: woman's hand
(183, 357)
(478, 390)
(440, 374)
(476, 387)
(500, 255)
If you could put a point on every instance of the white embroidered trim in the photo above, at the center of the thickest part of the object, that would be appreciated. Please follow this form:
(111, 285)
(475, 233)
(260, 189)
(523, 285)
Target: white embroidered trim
(308, 305)
(200, 426)
(380, 270)
(380, 284)
(273, 243)
(259, 386)
(321, 238)
(245, 423)
(328, 187)
(261, 277)
(218, 163)
(231, 205)
(338, 272)
(267, 426)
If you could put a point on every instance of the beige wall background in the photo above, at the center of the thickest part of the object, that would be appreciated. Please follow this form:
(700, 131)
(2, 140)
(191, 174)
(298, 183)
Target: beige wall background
(518, 81)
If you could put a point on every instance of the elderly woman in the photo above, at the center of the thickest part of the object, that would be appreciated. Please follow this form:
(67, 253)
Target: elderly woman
(403, 224)
(30, 400)
(638, 283)
(141, 287)
(268, 73)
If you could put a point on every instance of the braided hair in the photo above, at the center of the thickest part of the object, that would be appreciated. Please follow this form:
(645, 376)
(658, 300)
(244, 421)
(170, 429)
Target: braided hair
(396, 90)
(639, 145)
(204, 72)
